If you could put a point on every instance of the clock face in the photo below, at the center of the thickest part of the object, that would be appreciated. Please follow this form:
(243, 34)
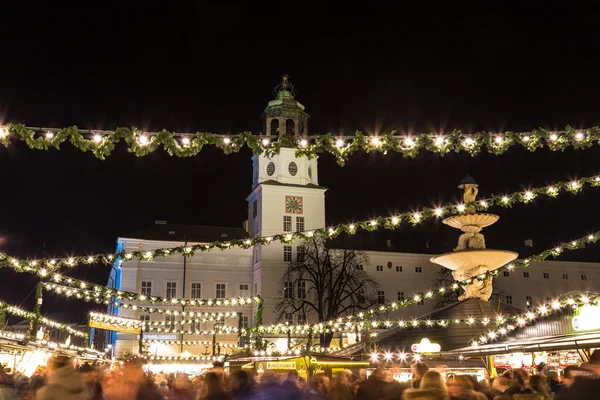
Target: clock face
(293, 205)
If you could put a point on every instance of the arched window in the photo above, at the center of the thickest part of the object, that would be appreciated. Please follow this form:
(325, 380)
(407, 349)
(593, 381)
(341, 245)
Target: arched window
(274, 127)
(290, 128)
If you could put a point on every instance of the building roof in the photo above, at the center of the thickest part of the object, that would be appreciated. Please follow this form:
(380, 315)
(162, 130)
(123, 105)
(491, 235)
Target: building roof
(192, 233)
(276, 183)
(450, 337)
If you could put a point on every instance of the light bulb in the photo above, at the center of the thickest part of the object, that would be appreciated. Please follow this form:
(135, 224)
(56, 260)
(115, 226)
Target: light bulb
(395, 220)
(579, 136)
(469, 141)
(498, 139)
(143, 140)
(265, 142)
(3, 133)
(439, 212)
(226, 140)
(49, 135)
(97, 138)
(528, 195)
(526, 138)
(460, 207)
(409, 142)
(339, 143)
(376, 141)
(185, 141)
(43, 272)
(373, 222)
(417, 216)
(303, 143)
(439, 140)
(574, 184)
(553, 137)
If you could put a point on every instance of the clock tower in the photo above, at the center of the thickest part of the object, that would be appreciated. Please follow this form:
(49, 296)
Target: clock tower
(286, 197)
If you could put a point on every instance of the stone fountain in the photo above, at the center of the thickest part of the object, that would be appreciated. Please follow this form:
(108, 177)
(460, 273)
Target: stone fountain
(471, 258)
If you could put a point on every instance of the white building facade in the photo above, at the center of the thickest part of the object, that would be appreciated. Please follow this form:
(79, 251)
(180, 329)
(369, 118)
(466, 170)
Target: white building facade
(287, 197)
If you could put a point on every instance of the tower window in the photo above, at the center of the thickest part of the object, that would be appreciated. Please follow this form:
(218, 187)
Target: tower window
(398, 268)
(254, 209)
(546, 275)
(505, 273)
(274, 127)
(525, 274)
(293, 168)
(418, 269)
(270, 168)
(287, 253)
(287, 223)
(380, 268)
(290, 127)
(584, 277)
(400, 296)
(309, 172)
(528, 301)
(565, 276)
(508, 299)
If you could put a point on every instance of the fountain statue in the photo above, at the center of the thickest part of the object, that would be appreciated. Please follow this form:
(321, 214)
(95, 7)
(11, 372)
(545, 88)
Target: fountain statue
(470, 257)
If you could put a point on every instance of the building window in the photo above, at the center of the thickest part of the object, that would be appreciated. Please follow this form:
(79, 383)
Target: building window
(584, 277)
(418, 269)
(421, 297)
(301, 318)
(565, 276)
(244, 322)
(300, 255)
(220, 291)
(381, 296)
(95, 345)
(147, 288)
(171, 289)
(254, 208)
(243, 290)
(299, 224)
(302, 289)
(505, 273)
(509, 300)
(287, 253)
(360, 267)
(255, 293)
(287, 223)
(548, 299)
(380, 268)
(289, 318)
(53, 334)
(360, 295)
(546, 275)
(288, 290)
(219, 325)
(525, 274)
(195, 326)
(398, 268)
(170, 321)
(400, 296)
(528, 301)
(196, 290)
(145, 317)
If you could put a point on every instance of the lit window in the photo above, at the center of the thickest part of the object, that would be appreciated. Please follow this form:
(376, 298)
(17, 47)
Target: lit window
(287, 223)
(381, 296)
(400, 296)
(528, 301)
(196, 290)
(147, 288)
(288, 290)
(302, 289)
(287, 253)
(418, 269)
(508, 299)
(398, 268)
(171, 289)
(299, 224)
(220, 291)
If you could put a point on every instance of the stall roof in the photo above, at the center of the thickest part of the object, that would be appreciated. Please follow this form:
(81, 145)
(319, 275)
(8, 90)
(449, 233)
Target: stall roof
(548, 343)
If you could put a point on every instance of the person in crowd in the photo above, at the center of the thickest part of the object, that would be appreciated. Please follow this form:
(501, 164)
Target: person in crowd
(63, 383)
(92, 382)
(38, 379)
(319, 387)
(182, 388)
(7, 392)
(241, 385)
(460, 387)
(374, 387)
(539, 386)
(342, 387)
(522, 387)
(419, 370)
(214, 388)
(432, 386)
(586, 382)
(553, 381)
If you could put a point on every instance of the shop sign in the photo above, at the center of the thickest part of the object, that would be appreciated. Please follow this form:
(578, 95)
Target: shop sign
(281, 365)
(426, 347)
(110, 327)
(587, 318)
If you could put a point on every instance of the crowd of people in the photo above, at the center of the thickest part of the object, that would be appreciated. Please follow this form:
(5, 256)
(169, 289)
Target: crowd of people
(59, 380)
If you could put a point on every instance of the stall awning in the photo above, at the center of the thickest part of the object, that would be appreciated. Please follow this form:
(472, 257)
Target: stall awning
(548, 343)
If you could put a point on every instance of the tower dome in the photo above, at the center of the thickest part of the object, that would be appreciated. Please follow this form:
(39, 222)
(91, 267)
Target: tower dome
(284, 115)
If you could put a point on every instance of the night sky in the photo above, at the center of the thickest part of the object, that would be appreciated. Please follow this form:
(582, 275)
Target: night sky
(370, 67)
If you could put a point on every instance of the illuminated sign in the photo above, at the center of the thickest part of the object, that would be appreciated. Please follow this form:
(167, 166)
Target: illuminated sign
(587, 318)
(281, 365)
(426, 347)
(110, 327)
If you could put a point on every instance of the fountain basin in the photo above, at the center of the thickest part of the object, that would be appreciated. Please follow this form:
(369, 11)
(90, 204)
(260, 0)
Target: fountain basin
(479, 220)
(476, 260)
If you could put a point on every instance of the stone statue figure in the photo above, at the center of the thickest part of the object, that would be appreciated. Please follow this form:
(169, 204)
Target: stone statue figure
(469, 196)
(470, 239)
(476, 289)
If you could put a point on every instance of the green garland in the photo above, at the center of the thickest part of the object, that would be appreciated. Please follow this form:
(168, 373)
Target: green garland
(37, 311)
(2, 318)
(102, 143)
(568, 300)
(44, 267)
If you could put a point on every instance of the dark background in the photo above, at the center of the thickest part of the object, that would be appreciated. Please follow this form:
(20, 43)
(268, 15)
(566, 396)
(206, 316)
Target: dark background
(370, 67)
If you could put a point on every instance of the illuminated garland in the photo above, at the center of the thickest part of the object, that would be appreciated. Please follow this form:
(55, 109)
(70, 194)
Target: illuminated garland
(224, 330)
(116, 320)
(190, 343)
(213, 318)
(573, 300)
(55, 345)
(100, 294)
(44, 267)
(11, 335)
(43, 320)
(191, 358)
(102, 142)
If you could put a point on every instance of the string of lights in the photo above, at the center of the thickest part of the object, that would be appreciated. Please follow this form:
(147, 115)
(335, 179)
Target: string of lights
(190, 343)
(102, 142)
(116, 320)
(223, 330)
(11, 335)
(45, 267)
(19, 312)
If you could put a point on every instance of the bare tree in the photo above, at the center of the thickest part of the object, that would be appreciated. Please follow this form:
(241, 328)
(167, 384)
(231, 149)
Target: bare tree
(327, 284)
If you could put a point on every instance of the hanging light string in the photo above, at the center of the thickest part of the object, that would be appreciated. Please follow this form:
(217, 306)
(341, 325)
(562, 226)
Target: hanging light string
(158, 359)
(572, 300)
(191, 343)
(115, 320)
(28, 315)
(102, 142)
(11, 335)
(341, 322)
(222, 330)
(45, 267)
(56, 345)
